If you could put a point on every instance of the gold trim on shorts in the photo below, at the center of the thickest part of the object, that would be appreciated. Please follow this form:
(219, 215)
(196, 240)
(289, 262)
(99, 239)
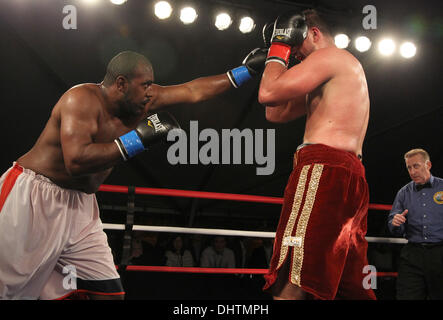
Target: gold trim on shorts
(297, 241)
(294, 212)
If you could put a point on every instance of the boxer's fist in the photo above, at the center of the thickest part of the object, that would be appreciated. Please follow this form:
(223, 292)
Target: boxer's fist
(253, 64)
(155, 127)
(290, 30)
(399, 218)
(255, 60)
(148, 132)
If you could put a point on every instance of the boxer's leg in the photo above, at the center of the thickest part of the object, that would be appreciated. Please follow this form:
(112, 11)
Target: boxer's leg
(86, 259)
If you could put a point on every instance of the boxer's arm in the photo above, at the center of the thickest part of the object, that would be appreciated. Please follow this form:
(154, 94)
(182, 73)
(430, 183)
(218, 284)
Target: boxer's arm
(194, 91)
(278, 85)
(292, 110)
(79, 124)
(205, 88)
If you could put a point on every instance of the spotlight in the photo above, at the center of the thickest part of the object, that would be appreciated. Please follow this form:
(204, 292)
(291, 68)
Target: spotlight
(408, 50)
(362, 44)
(341, 41)
(386, 47)
(188, 15)
(223, 21)
(162, 10)
(118, 2)
(247, 24)
(90, 2)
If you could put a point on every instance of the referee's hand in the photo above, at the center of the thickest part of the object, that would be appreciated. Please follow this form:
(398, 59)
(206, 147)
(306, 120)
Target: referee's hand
(399, 218)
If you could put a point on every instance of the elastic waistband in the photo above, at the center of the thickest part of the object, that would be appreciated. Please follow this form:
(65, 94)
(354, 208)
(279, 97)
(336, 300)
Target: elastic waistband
(320, 153)
(18, 167)
(359, 156)
(41, 179)
(33, 174)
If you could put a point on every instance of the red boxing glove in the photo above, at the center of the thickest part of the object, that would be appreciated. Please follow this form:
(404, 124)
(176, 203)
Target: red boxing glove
(279, 52)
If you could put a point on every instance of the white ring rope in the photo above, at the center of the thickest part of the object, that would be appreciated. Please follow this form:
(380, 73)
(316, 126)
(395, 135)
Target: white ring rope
(226, 232)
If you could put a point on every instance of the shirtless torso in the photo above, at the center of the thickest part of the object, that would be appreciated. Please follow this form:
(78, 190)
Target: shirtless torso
(76, 149)
(47, 157)
(330, 88)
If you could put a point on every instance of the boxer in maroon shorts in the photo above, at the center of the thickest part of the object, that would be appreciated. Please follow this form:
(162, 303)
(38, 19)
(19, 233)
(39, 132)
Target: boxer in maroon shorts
(320, 244)
(320, 247)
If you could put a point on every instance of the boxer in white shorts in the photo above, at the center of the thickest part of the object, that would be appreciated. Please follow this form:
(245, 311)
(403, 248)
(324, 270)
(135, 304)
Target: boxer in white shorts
(52, 241)
(50, 230)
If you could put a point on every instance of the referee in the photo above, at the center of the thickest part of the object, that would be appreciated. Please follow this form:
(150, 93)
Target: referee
(417, 214)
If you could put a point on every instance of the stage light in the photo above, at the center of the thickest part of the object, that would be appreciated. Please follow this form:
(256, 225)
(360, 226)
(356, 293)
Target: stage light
(341, 41)
(118, 2)
(162, 10)
(188, 15)
(223, 21)
(408, 50)
(247, 24)
(386, 47)
(91, 2)
(362, 44)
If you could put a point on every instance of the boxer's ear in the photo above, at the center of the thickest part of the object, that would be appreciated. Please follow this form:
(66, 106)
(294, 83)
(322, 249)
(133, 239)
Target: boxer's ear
(315, 33)
(122, 83)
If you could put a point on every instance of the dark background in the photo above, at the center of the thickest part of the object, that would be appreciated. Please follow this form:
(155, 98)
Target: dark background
(40, 60)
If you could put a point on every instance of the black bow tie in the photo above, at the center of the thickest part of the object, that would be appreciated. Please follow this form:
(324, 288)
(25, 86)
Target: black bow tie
(421, 186)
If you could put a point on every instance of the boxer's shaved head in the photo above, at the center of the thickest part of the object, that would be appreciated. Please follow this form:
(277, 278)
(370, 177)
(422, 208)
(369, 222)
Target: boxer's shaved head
(125, 64)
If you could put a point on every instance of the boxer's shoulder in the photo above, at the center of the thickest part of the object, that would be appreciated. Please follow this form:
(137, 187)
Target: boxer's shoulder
(81, 98)
(83, 91)
(333, 54)
(341, 61)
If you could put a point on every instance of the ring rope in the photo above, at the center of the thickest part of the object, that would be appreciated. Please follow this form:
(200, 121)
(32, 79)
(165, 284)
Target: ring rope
(217, 270)
(227, 232)
(208, 195)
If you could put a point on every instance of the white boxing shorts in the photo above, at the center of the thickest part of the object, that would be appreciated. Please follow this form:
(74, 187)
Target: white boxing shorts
(52, 242)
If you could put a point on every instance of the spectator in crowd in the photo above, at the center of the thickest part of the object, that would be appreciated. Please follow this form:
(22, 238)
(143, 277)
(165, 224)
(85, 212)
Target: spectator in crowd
(261, 255)
(217, 255)
(177, 254)
(146, 251)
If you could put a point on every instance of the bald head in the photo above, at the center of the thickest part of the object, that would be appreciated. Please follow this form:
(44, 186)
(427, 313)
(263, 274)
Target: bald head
(125, 64)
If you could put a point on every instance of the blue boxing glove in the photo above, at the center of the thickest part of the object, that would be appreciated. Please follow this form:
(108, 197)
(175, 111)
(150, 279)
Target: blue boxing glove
(253, 64)
(149, 131)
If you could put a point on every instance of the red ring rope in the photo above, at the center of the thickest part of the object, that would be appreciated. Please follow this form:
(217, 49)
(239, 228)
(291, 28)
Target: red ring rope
(209, 195)
(218, 270)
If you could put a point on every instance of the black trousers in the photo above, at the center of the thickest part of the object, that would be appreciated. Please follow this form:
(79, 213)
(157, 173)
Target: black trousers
(420, 272)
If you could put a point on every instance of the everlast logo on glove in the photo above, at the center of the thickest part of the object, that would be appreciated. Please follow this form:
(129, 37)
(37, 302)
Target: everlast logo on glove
(282, 33)
(138, 140)
(289, 30)
(158, 126)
